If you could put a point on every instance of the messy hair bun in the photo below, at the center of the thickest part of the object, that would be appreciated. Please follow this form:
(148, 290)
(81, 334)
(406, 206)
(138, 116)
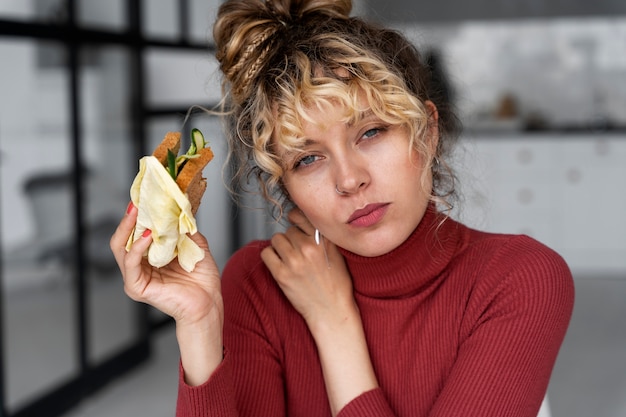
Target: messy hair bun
(282, 57)
(247, 31)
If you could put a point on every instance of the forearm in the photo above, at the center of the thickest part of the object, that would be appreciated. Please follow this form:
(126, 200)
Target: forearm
(345, 359)
(201, 348)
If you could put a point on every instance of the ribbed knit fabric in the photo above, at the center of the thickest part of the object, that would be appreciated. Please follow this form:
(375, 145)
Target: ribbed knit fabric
(459, 323)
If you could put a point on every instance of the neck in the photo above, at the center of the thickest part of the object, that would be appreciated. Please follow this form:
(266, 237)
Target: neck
(404, 270)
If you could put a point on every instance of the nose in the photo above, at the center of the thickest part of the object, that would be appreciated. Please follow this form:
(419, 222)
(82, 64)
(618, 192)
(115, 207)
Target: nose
(352, 175)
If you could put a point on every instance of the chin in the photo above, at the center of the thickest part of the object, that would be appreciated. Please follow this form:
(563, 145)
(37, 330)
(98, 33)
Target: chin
(379, 241)
(377, 249)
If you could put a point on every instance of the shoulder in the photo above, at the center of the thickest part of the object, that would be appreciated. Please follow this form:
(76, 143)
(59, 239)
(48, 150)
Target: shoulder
(248, 288)
(511, 253)
(245, 263)
(248, 255)
(517, 270)
(246, 279)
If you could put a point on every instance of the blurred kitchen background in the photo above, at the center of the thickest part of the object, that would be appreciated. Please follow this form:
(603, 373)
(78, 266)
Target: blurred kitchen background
(87, 87)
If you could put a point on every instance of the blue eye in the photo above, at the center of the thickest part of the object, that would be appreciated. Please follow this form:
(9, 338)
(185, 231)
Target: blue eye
(305, 161)
(371, 133)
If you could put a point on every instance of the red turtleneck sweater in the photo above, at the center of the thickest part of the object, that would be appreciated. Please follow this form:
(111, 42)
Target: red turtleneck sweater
(458, 323)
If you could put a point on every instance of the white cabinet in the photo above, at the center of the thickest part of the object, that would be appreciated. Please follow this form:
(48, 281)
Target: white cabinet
(566, 190)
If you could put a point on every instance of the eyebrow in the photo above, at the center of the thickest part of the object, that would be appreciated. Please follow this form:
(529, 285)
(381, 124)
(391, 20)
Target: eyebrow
(362, 115)
(293, 152)
(367, 113)
(308, 142)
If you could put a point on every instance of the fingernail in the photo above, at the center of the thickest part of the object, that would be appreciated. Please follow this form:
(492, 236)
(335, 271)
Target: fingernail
(146, 233)
(130, 207)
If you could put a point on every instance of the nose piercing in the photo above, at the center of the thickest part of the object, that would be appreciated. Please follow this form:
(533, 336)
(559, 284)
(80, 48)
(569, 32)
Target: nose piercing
(340, 192)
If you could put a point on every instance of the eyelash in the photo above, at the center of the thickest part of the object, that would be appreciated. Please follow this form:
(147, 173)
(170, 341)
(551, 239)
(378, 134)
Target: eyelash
(299, 163)
(377, 131)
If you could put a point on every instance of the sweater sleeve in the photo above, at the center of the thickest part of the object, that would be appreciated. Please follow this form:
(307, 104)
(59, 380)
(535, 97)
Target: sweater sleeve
(249, 381)
(213, 398)
(515, 322)
(371, 403)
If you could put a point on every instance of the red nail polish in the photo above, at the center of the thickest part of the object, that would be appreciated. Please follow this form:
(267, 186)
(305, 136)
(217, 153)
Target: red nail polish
(130, 207)
(146, 233)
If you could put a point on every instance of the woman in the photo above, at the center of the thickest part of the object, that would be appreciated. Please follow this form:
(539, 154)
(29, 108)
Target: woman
(373, 302)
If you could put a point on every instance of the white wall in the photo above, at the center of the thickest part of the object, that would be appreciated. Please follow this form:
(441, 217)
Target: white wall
(568, 72)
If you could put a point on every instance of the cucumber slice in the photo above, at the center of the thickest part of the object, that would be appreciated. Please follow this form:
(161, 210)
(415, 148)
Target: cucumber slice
(197, 141)
(171, 164)
(192, 148)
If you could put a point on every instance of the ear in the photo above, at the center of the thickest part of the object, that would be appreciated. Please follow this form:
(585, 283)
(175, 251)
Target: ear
(433, 127)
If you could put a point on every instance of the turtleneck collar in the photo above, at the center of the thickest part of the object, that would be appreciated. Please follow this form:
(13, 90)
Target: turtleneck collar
(412, 265)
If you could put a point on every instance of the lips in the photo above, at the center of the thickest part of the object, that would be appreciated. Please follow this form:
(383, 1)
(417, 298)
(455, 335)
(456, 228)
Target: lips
(368, 215)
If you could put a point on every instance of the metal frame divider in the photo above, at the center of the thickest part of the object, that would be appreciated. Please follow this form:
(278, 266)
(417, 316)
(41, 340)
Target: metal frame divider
(91, 378)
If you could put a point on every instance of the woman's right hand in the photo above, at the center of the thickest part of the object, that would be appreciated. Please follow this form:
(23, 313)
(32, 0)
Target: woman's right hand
(193, 299)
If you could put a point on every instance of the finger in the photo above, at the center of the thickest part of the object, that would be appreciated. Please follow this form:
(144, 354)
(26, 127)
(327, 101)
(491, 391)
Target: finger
(122, 233)
(132, 265)
(282, 243)
(298, 219)
(300, 239)
(200, 240)
(138, 248)
(271, 260)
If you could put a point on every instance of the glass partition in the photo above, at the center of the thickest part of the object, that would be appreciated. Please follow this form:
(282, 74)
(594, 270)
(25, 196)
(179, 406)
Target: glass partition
(99, 14)
(40, 10)
(161, 19)
(201, 17)
(39, 327)
(107, 150)
(71, 131)
(181, 77)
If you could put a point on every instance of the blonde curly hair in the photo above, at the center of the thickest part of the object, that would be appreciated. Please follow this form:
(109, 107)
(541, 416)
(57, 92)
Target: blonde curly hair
(282, 57)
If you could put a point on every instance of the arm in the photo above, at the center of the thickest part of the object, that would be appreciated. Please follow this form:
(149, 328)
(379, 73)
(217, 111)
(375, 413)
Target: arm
(193, 299)
(344, 355)
(512, 331)
(316, 281)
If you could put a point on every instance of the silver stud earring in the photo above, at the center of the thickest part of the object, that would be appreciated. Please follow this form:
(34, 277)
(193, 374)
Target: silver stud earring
(318, 240)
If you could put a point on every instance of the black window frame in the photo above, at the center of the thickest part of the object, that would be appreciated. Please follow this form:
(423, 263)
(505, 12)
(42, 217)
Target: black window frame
(73, 38)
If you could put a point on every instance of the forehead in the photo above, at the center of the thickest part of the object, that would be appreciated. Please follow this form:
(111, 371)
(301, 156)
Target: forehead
(345, 106)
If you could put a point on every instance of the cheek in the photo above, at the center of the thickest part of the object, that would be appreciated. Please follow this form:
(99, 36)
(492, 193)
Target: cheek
(412, 175)
(400, 165)
(309, 198)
